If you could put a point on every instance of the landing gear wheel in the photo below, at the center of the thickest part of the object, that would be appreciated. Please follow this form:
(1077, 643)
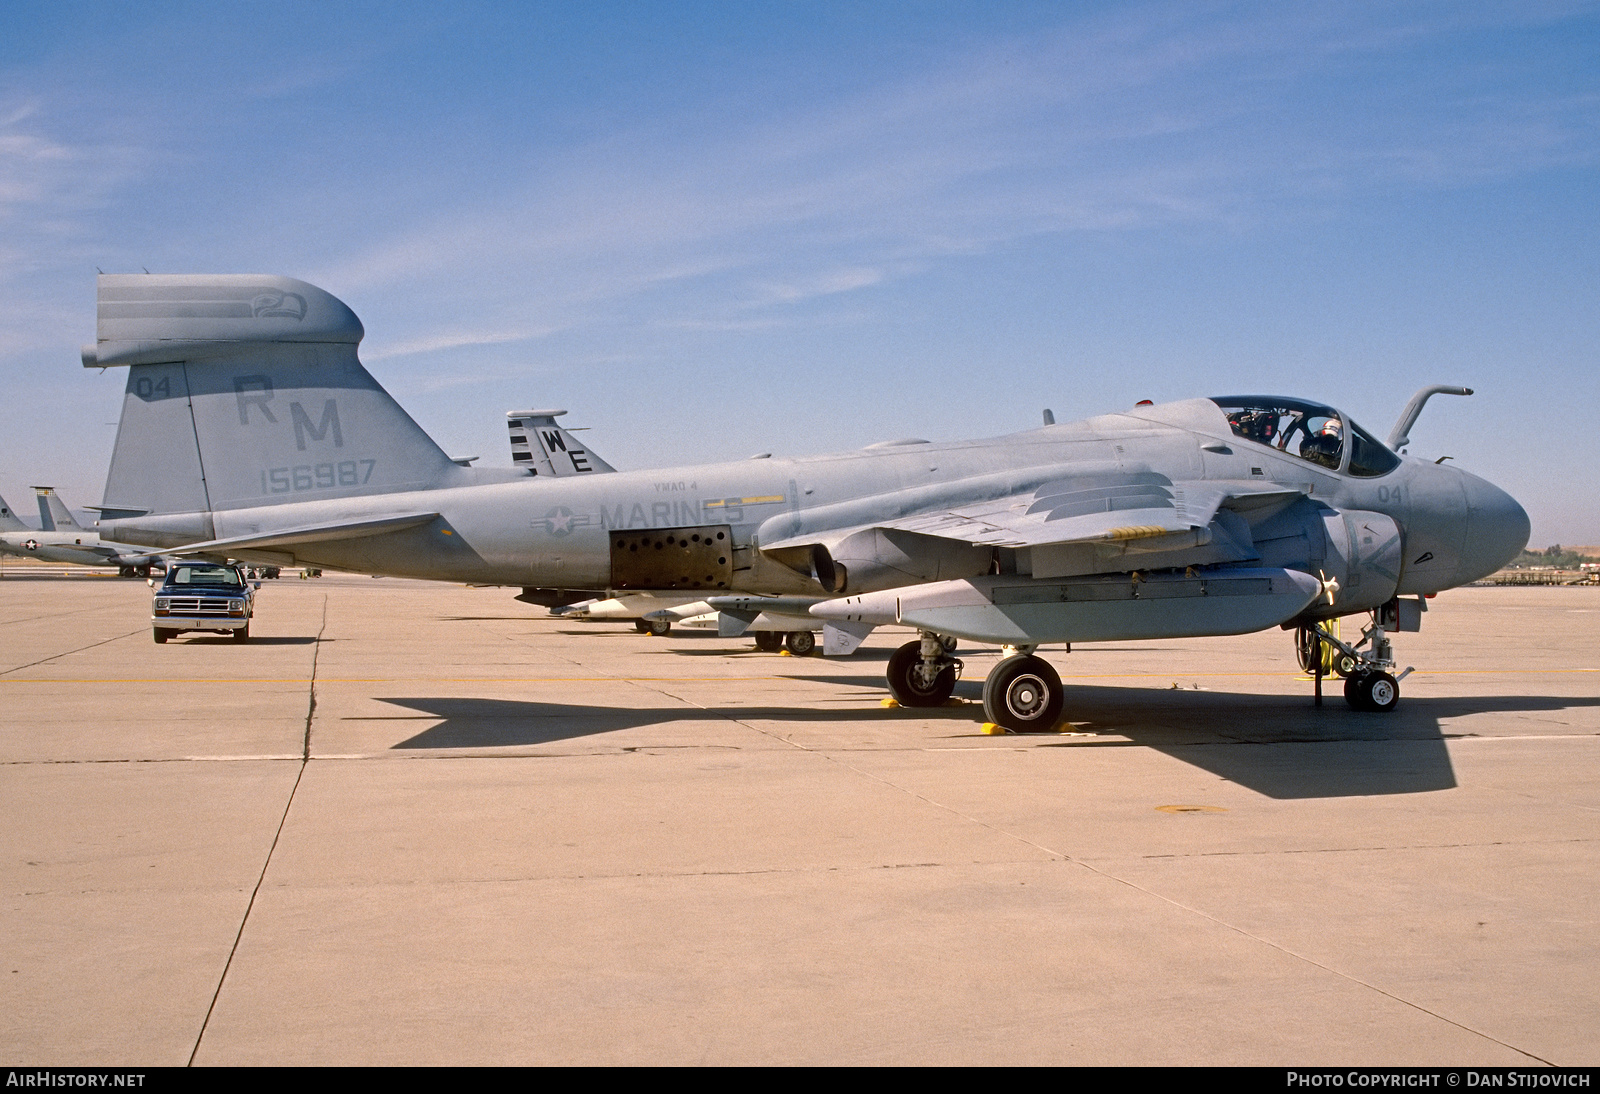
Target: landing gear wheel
(161, 635)
(658, 628)
(800, 643)
(769, 641)
(1374, 691)
(908, 682)
(242, 634)
(1023, 694)
(641, 626)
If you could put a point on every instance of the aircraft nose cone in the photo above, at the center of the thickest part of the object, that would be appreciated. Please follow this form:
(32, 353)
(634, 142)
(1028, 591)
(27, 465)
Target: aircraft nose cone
(1497, 529)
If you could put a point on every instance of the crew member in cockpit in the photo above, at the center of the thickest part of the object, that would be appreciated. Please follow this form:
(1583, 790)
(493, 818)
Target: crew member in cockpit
(1323, 446)
(1256, 425)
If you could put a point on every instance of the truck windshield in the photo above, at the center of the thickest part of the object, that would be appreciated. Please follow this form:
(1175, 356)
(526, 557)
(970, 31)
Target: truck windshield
(204, 575)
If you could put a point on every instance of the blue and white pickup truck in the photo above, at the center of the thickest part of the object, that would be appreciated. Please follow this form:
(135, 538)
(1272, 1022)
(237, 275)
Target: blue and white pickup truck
(203, 596)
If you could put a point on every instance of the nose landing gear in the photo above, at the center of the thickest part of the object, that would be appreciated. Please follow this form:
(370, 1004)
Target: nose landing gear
(1370, 683)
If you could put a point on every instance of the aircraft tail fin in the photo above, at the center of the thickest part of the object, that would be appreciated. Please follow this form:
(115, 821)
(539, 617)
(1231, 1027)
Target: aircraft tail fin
(9, 521)
(244, 390)
(544, 448)
(54, 516)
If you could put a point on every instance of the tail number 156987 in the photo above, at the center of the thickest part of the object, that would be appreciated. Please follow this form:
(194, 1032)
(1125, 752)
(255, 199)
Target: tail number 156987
(316, 476)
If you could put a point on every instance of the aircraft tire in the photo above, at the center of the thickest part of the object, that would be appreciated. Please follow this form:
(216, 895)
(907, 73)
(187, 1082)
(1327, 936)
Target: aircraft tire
(658, 628)
(1377, 692)
(161, 635)
(903, 683)
(641, 626)
(1024, 694)
(800, 643)
(769, 641)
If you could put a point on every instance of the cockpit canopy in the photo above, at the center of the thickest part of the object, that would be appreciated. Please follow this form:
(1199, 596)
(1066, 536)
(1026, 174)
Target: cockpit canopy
(1316, 433)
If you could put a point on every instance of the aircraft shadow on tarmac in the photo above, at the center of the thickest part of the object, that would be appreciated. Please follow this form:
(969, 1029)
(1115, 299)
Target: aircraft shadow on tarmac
(492, 723)
(1278, 746)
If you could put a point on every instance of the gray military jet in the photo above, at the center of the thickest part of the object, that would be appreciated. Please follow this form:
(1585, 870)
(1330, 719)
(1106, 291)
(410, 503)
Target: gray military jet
(60, 538)
(251, 430)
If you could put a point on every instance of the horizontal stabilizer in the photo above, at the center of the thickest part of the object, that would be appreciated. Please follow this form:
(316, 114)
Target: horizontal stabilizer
(313, 533)
(146, 319)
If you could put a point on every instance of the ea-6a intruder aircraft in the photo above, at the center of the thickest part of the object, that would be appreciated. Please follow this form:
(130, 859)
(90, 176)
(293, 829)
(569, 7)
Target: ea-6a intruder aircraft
(60, 538)
(250, 430)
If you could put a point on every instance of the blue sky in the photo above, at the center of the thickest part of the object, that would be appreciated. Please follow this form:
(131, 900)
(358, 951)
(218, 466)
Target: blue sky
(715, 229)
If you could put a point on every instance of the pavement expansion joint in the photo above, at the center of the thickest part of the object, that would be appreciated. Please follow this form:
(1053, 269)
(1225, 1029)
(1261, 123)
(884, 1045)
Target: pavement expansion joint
(753, 871)
(52, 616)
(69, 653)
(305, 759)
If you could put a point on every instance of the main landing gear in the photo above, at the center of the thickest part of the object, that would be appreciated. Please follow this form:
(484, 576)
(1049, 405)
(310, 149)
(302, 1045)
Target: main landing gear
(1022, 693)
(922, 673)
(798, 643)
(1370, 682)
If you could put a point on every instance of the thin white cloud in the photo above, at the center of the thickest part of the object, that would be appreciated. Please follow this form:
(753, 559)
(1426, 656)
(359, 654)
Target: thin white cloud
(453, 339)
(1124, 122)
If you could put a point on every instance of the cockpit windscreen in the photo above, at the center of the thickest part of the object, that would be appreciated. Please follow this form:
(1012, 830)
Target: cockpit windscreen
(1316, 433)
(1308, 430)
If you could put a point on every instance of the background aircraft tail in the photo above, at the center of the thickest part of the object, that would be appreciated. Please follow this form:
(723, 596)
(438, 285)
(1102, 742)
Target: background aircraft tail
(9, 521)
(544, 448)
(244, 390)
(54, 516)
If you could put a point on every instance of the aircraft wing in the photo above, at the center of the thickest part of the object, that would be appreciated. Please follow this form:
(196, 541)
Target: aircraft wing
(1148, 506)
(311, 533)
(1119, 508)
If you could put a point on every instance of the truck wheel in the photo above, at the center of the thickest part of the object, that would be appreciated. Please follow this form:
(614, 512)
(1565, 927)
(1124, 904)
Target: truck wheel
(242, 634)
(161, 635)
